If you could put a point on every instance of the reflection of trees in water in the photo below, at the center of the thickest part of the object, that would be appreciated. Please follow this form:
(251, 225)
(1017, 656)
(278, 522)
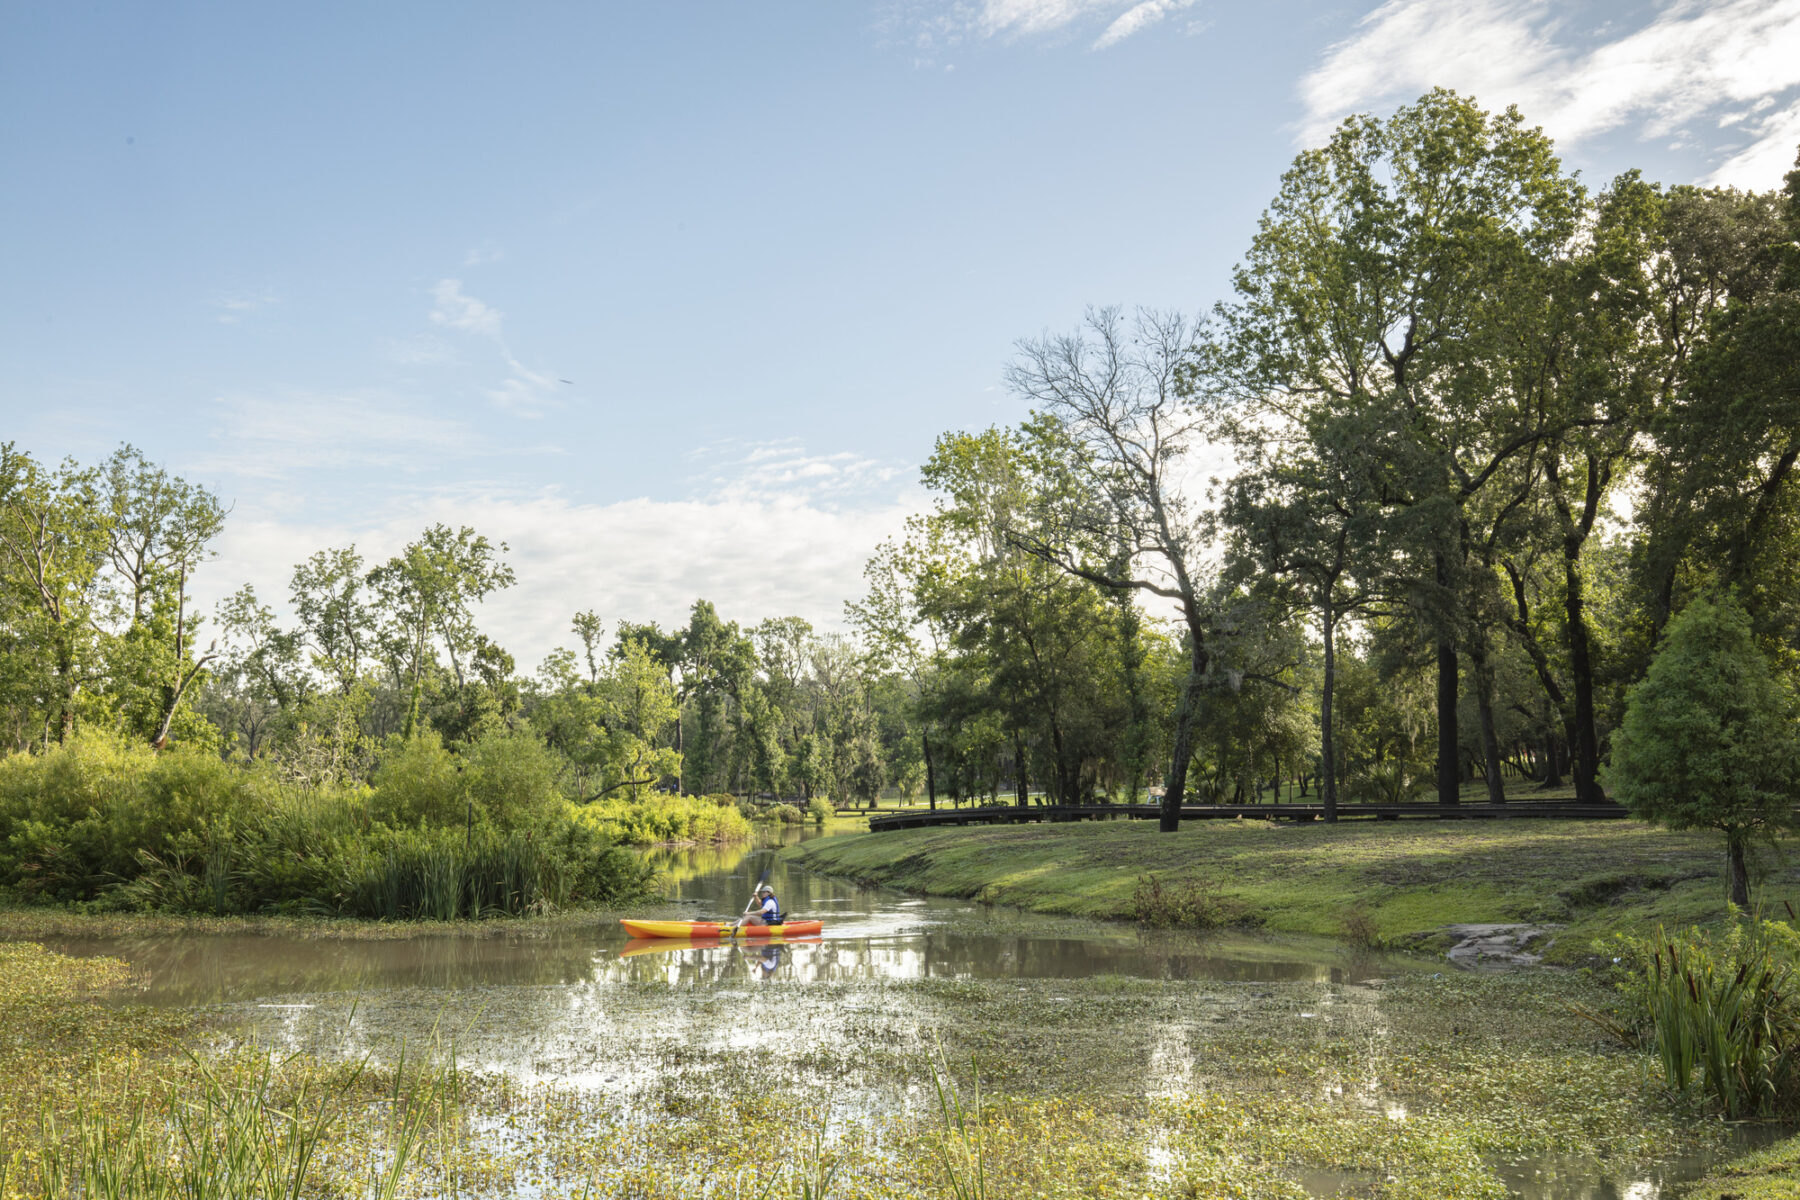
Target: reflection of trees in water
(215, 968)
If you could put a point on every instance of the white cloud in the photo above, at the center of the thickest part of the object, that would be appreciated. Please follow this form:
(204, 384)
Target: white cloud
(1137, 18)
(459, 311)
(755, 553)
(932, 25)
(235, 306)
(1692, 61)
(733, 471)
(480, 256)
(524, 391)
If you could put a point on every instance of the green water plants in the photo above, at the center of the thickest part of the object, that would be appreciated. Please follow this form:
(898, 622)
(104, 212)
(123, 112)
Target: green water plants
(1723, 1014)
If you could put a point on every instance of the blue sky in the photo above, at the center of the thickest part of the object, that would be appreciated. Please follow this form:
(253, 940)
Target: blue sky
(675, 297)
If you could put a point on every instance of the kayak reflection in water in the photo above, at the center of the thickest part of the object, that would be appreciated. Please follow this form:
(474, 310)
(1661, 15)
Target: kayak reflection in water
(766, 911)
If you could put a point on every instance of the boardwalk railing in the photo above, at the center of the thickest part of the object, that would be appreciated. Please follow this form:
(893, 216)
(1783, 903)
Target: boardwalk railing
(1011, 814)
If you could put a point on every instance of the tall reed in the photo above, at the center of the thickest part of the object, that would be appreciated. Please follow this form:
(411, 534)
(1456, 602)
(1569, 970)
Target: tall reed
(962, 1155)
(1725, 1017)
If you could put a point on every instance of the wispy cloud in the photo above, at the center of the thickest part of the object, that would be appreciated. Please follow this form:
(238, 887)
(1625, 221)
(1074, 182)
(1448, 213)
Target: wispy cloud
(932, 26)
(235, 306)
(455, 310)
(785, 469)
(272, 437)
(524, 391)
(1688, 65)
(480, 256)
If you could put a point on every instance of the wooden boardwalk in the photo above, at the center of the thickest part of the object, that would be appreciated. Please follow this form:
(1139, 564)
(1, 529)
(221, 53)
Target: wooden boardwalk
(1012, 814)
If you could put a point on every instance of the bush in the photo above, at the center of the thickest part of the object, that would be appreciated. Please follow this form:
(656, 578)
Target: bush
(416, 784)
(665, 818)
(1722, 1016)
(819, 810)
(785, 814)
(106, 822)
(1709, 738)
(76, 819)
(1195, 904)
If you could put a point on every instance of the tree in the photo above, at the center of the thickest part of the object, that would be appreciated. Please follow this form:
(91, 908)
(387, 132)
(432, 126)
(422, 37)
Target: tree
(53, 547)
(1125, 520)
(1723, 497)
(1709, 739)
(428, 592)
(890, 620)
(1392, 283)
(1301, 508)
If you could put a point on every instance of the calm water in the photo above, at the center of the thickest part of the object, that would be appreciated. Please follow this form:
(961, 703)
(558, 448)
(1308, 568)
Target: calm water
(567, 1003)
(869, 934)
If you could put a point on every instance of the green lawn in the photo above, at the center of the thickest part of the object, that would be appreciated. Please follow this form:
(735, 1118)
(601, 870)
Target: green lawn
(1405, 877)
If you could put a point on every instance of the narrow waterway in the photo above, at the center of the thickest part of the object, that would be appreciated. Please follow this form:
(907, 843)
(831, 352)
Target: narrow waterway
(575, 1003)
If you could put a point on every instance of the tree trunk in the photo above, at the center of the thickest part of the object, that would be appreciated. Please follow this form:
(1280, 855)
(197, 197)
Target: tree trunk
(1021, 789)
(1740, 870)
(1448, 752)
(930, 773)
(1552, 762)
(1484, 703)
(1585, 739)
(1182, 750)
(1327, 743)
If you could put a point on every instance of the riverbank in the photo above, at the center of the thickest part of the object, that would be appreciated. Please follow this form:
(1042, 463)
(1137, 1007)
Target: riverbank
(1371, 882)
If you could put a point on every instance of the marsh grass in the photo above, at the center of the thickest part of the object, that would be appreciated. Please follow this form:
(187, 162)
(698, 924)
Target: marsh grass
(961, 1152)
(1486, 1068)
(1721, 1015)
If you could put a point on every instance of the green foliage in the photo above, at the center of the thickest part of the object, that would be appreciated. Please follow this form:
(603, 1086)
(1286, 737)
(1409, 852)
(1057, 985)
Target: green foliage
(661, 817)
(783, 814)
(1709, 739)
(1722, 1015)
(103, 821)
(1194, 903)
(819, 811)
(416, 784)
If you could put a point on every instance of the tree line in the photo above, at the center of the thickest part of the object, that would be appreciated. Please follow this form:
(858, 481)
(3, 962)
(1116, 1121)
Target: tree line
(1408, 511)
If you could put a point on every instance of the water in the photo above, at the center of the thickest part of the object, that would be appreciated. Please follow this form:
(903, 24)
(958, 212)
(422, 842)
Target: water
(869, 934)
(577, 1004)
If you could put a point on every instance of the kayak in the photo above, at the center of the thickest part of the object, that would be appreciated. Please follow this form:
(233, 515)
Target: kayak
(718, 929)
(637, 945)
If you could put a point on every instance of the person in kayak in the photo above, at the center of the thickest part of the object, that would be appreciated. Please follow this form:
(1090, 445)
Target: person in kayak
(765, 909)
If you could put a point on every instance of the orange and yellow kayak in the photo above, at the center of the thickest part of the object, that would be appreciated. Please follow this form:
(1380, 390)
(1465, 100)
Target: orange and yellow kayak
(718, 929)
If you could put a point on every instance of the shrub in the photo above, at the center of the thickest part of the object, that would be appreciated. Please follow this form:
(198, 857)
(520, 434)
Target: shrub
(664, 818)
(76, 819)
(1722, 1016)
(785, 814)
(416, 784)
(103, 821)
(1195, 904)
(1709, 738)
(819, 810)
(511, 780)
(1361, 931)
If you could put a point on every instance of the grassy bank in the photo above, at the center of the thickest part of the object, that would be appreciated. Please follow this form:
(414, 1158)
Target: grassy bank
(1383, 880)
(1771, 1174)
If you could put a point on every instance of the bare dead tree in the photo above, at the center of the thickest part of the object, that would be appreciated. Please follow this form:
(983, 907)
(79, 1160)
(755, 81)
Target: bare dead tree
(1130, 519)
